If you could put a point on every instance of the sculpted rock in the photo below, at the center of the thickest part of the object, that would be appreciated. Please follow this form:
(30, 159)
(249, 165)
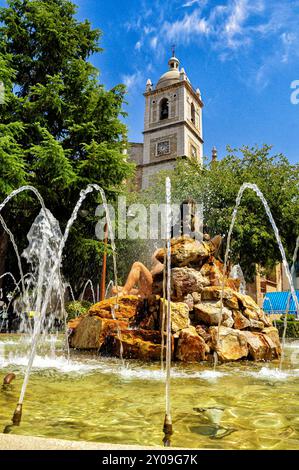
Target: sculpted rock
(187, 280)
(179, 315)
(187, 251)
(157, 287)
(240, 321)
(227, 318)
(148, 323)
(154, 308)
(188, 299)
(230, 299)
(272, 334)
(256, 316)
(213, 271)
(256, 325)
(209, 313)
(203, 332)
(133, 325)
(74, 323)
(148, 315)
(232, 283)
(232, 343)
(263, 318)
(128, 306)
(196, 297)
(191, 347)
(91, 332)
(248, 302)
(275, 352)
(136, 344)
(259, 349)
(250, 314)
(248, 306)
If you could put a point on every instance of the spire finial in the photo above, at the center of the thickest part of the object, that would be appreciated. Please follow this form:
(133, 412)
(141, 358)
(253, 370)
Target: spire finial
(173, 50)
(214, 154)
(173, 61)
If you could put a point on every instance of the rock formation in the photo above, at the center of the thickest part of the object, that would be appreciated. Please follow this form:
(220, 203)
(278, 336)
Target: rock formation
(134, 326)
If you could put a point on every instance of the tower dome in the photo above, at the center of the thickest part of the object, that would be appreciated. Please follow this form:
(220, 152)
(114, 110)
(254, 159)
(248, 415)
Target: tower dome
(173, 74)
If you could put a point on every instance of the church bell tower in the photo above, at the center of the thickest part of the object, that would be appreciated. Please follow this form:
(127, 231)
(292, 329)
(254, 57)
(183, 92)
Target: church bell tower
(172, 124)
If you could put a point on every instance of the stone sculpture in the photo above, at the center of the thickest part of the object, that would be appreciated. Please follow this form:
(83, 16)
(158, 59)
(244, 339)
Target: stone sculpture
(132, 320)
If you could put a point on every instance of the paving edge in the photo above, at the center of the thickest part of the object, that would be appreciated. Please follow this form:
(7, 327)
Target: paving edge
(13, 442)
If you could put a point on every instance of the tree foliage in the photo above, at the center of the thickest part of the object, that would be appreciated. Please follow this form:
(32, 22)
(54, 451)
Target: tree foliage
(216, 186)
(60, 128)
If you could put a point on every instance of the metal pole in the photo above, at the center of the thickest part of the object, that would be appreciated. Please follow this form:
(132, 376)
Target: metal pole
(168, 419)
(104, 268)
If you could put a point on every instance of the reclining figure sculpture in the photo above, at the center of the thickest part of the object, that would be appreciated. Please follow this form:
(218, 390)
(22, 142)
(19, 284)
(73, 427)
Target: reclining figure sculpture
(140, 279)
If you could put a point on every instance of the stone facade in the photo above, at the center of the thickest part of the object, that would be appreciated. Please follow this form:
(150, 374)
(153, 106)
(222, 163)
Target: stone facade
(148, 171)
(136, 153)
(172, 125)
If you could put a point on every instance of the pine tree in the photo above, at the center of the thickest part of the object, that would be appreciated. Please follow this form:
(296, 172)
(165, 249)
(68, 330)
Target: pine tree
(60, 128)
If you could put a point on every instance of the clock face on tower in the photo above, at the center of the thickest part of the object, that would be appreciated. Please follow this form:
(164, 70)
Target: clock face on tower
(163, 148)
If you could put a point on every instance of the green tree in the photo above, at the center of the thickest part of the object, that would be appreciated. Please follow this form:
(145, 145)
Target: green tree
(216, 186)
(60, 128)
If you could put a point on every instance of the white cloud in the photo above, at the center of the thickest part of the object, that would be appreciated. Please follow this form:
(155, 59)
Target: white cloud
(235, 21)
(138, 45)
(290, 43)
(184, 30)
(149, 67)
(133, 81)
(288, 38)
(237, 30)
(284, 53)
(260, 79)
(190, 3)
(225, 25)
(154, 42)
(268, 29)
(148, 29)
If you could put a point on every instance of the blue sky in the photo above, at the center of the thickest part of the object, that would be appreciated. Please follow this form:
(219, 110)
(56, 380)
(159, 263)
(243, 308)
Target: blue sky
(242, 54)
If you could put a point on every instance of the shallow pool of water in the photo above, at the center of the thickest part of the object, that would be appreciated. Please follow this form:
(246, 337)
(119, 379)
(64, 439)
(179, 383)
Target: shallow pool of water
(240, 406)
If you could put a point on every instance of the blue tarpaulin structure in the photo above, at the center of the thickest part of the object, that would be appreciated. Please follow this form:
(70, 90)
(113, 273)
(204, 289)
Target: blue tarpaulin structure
(277, 302)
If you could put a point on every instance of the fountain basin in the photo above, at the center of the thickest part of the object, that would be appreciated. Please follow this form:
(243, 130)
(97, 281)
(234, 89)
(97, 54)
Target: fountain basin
(96, 399)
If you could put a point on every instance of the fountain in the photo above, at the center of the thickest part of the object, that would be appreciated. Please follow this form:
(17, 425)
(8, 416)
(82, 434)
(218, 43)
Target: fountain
(255, 188)
(192, 294)
(2, 221)
(45, 239)
(295, 256)
(49, 278)
(285, 321)
(203, 313)
(9, 274)
(237, 273)
(88, 283)
(68, 286)
(108, 289)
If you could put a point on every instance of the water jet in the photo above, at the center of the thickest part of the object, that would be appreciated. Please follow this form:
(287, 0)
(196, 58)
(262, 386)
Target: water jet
(17, 416)
(167, 428)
